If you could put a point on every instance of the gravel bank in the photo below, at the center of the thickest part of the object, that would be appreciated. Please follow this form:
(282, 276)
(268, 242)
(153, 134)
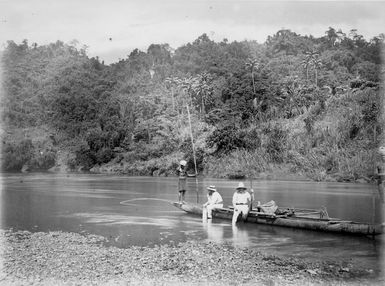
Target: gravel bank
(59, 258)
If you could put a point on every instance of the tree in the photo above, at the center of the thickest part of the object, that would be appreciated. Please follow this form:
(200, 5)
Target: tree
(331, 36)
(317, 63)
(121, 111)
(172, 82)
(251, 64)
(288, 42)
(312, 59)
(201, 86)
(310, 56)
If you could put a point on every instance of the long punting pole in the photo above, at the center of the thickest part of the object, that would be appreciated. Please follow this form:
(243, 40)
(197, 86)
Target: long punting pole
(192, 140)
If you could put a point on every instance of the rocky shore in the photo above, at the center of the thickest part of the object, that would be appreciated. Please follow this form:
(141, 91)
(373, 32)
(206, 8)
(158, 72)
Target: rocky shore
(58, 258)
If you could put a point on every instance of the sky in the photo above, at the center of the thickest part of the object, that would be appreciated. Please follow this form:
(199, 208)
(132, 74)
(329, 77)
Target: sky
(111, 29)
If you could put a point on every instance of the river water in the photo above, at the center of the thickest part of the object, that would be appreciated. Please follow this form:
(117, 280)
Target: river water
(138, 211)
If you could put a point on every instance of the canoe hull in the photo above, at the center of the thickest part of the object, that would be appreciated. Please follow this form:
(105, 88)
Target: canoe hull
(310, 223)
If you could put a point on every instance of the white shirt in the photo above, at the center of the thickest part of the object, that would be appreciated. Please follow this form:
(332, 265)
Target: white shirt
(214, 199)
(241, 198)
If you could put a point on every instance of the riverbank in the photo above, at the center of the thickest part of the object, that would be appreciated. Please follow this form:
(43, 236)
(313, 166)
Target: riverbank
(274, 172)
(58, 258)
(36, 150)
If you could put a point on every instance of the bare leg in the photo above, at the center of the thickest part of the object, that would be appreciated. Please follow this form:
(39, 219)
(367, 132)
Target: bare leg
(210, 211)
(204, 214)
(235, 217)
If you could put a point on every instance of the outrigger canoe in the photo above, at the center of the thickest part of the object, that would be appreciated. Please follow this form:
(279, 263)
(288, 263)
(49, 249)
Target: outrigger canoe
(294, 218)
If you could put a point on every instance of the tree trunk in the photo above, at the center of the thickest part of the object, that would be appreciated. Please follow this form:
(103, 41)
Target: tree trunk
(374, 133)
(203, 106)
(252, 76)
(172, 98)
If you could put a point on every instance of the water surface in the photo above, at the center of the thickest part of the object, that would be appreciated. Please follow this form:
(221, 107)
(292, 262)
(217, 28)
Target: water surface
(93, 204)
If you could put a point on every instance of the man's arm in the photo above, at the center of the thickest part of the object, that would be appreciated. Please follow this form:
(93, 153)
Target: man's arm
(207, 203)
(248, 198)
(220, 199)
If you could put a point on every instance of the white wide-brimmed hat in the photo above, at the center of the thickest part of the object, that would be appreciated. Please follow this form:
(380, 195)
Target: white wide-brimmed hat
(211, 188)
(241, 186)
(183, 162)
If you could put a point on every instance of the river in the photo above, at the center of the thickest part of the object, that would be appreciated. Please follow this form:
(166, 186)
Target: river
(138, 211)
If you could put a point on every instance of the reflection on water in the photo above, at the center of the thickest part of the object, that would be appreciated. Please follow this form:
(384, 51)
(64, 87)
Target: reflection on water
(114, 219)
(240, 236)
(137, 211)
(214, 231)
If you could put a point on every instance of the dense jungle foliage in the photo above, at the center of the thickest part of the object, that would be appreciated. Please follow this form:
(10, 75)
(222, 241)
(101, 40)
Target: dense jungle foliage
(295, 105)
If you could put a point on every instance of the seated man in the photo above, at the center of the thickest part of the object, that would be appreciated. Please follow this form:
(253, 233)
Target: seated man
(241, 203)
(214, 200)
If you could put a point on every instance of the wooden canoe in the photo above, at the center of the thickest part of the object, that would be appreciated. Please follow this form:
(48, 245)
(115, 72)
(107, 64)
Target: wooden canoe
(294, 218)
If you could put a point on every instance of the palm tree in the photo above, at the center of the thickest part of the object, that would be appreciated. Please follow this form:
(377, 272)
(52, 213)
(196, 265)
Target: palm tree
(202, 88)
(309, 57)
(305, 64)
(251, 64)
(186, 84)
(317, 63)
(172, 82)
(312, 58)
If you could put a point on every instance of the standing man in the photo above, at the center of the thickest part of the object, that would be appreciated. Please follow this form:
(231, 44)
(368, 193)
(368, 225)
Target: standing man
(241, 202)
(182, 180)
(214, 201)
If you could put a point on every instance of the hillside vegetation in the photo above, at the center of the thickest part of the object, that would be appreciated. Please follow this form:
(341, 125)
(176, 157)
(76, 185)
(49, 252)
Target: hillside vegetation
(292, 106)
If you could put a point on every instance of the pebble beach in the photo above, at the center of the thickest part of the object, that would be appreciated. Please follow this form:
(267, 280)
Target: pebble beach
(60, 258)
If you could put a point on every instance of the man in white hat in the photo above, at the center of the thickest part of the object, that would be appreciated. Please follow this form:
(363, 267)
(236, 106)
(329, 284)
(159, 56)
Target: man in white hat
(182, 180)
(241, 202)
(214, 201)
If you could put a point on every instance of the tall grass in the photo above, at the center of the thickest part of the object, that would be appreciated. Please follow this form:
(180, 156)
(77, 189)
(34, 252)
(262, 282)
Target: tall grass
(340, 164)
(164, 166)
(239, 162)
